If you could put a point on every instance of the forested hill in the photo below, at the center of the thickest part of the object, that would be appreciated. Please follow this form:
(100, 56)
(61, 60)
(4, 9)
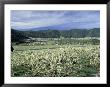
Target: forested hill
(73, 33)
(17, 36)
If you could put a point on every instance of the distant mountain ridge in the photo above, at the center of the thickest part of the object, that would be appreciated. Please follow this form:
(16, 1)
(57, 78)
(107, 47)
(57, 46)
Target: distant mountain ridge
(68, 26)
(72, 33)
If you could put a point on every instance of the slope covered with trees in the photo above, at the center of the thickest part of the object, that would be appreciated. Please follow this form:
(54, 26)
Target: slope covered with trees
(73, 33)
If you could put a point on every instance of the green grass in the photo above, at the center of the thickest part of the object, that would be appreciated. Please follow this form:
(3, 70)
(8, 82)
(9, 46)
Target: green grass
(55, 61)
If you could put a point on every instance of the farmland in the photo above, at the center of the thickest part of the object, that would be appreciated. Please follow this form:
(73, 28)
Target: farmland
(64, 57)
(55, 43)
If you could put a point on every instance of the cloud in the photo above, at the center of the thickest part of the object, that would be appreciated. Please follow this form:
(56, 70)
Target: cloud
(26, 19)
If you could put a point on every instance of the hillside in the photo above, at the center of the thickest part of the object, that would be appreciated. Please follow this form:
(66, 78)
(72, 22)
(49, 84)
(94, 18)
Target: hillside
(17, 36)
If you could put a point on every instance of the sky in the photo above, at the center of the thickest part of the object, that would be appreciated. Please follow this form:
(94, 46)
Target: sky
(55, 19)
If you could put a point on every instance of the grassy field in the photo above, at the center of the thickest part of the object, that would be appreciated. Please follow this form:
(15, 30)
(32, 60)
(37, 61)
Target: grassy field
(56, 59)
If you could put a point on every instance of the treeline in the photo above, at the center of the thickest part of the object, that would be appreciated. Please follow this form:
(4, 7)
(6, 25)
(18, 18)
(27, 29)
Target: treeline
(73, 33)
(17, 36)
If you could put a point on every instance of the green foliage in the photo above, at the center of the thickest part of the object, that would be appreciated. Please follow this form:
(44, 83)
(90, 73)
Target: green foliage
(21, 36)
(55, 61)
(60, 41)
(17, 36)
